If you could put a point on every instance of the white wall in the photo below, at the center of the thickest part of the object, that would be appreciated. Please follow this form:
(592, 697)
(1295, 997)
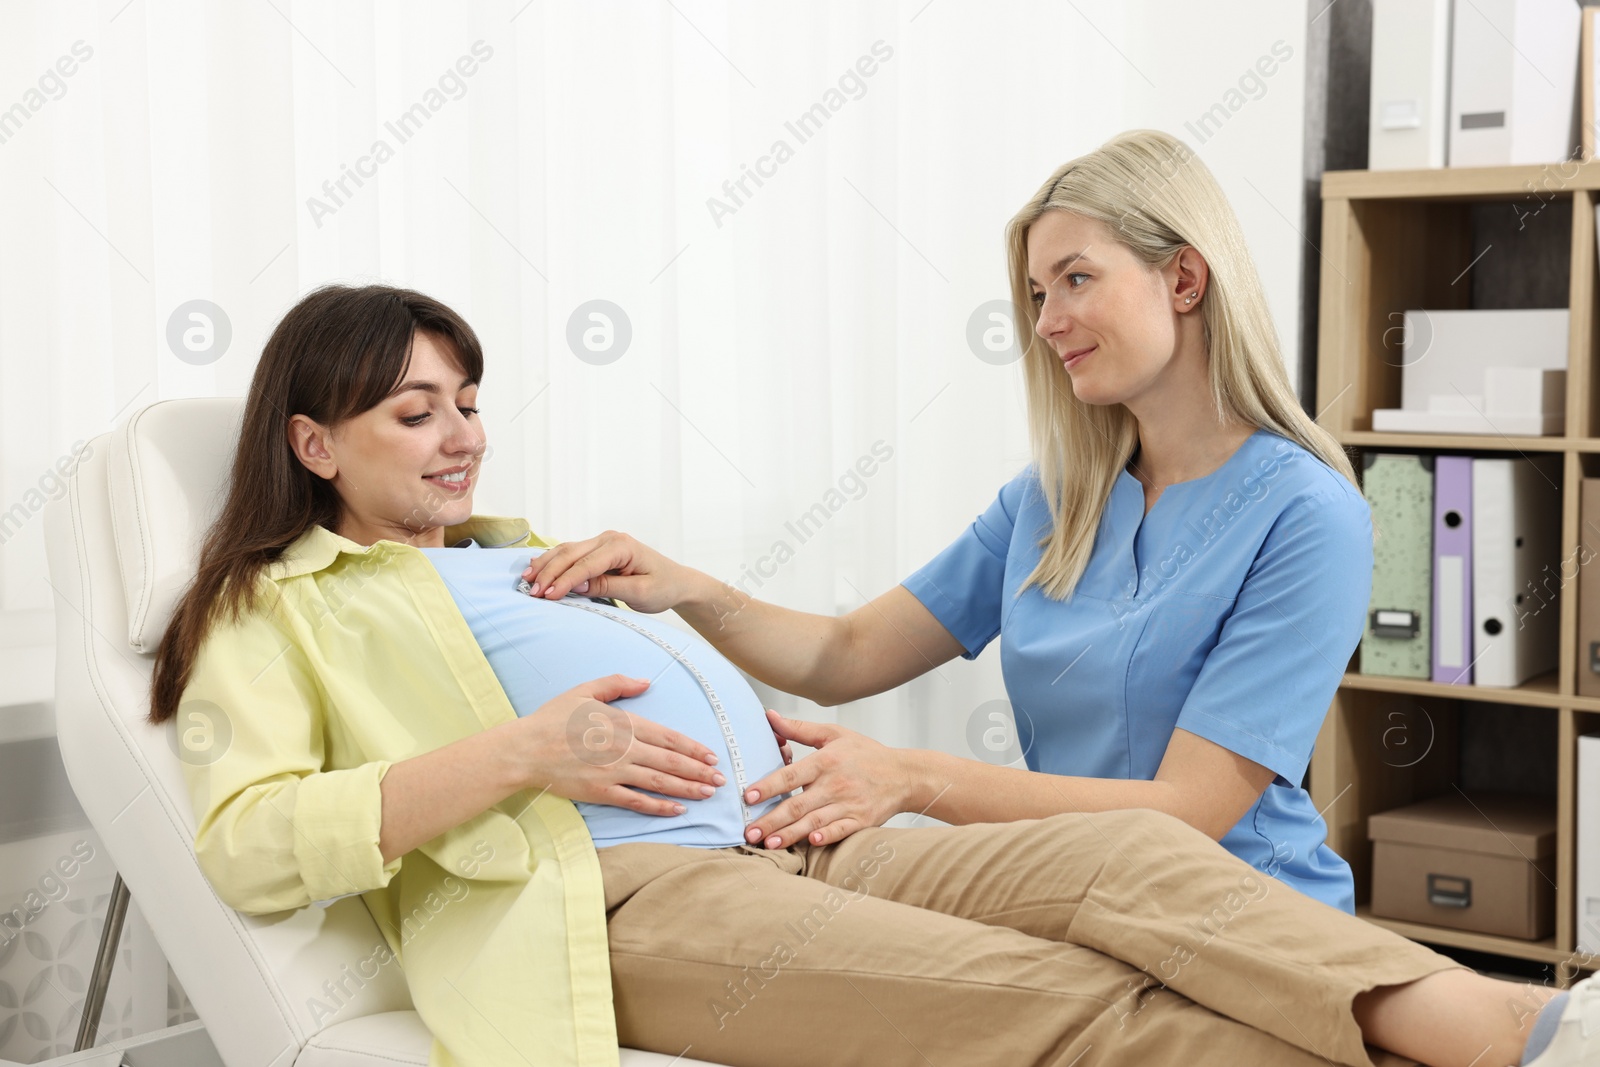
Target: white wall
(768, 353)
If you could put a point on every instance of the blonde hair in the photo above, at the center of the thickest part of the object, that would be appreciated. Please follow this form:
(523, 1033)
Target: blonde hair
(1156, 196)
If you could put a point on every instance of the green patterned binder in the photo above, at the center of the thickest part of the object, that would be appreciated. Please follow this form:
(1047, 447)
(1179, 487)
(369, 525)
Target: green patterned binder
(1398, 638)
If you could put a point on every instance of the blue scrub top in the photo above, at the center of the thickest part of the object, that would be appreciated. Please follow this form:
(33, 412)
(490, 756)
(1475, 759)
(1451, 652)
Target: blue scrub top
(1231, 610)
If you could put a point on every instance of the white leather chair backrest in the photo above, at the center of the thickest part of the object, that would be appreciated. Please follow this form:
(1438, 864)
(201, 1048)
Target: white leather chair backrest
(122, 545)
(166, 484)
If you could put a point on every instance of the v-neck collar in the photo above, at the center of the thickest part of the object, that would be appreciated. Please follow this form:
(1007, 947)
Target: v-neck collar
(1133, 489)
(1125, 474)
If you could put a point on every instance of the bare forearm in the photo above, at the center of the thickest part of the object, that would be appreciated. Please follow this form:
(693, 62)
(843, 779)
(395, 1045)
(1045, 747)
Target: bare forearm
(794, 651)
(960, 791)
(426, 795)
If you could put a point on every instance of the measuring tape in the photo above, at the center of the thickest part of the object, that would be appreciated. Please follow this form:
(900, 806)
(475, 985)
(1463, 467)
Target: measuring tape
(705, 685)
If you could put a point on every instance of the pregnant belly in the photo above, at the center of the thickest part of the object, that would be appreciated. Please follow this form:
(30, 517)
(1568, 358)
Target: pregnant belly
(538, 649)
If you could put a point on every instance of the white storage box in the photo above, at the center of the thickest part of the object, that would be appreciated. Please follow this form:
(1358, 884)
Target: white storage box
(1482, 372)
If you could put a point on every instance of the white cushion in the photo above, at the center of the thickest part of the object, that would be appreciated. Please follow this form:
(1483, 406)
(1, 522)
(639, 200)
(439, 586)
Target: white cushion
(169, 466)
(390, 1036)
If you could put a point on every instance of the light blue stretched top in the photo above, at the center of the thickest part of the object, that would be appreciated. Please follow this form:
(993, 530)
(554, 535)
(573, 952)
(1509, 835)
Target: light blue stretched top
(539, 649)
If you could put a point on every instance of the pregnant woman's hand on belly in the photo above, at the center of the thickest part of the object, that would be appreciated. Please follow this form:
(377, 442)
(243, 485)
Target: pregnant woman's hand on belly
(579, 747)
(612, 564)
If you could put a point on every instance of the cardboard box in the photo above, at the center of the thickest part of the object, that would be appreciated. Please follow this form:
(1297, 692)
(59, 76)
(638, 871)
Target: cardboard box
(1484, 863)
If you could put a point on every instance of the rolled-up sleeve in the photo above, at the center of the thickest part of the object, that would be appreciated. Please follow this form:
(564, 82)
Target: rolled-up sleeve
(275, 830)
(963, 586)
(1266, 686)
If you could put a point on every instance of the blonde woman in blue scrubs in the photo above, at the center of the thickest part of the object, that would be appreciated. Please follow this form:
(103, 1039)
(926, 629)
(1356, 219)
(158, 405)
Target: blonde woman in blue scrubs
(1179, 578)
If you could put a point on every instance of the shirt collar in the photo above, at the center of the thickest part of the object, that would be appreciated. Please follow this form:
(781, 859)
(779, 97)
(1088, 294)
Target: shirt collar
(318, 547)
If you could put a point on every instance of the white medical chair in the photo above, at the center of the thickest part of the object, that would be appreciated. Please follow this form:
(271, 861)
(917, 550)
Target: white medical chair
(122, 546)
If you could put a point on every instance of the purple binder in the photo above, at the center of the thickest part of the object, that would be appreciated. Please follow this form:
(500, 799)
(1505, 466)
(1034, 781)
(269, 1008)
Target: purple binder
(1452, 569)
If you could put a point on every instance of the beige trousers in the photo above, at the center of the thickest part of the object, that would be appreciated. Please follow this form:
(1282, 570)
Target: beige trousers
(1080, 939)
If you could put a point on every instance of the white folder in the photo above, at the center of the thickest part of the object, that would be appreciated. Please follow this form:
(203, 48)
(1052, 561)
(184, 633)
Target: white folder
(1514, 82)
(1589, 844)
(1516, 568)
(1409, 120)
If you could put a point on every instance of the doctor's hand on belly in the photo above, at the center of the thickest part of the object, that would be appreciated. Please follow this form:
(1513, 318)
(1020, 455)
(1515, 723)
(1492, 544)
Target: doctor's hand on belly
(852, 781)
(628, 570)
(612, 564)
(581, 748)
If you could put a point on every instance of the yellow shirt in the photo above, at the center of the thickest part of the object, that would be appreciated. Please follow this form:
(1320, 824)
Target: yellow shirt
(360, 660)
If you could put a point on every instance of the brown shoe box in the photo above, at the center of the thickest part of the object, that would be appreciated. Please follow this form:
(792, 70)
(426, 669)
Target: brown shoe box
(1484, 863)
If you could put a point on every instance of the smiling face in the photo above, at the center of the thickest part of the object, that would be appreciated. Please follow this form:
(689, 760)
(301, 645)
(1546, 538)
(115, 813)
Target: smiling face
(384, 463)
(1094, 294)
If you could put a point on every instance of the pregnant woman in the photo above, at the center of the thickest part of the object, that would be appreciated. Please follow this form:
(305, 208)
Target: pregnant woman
(557, 870)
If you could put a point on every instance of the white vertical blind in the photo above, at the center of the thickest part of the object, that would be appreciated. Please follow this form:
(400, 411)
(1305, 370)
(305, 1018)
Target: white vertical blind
(520, 161)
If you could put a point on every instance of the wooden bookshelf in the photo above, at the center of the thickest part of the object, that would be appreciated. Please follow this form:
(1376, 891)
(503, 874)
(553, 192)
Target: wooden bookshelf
(1394, 241)
(1539, 951)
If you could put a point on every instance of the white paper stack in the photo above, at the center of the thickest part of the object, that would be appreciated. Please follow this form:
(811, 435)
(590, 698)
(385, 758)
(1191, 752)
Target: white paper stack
(1482, 372)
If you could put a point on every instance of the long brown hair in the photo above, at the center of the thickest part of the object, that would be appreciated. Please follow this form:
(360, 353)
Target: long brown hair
(337, 353)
